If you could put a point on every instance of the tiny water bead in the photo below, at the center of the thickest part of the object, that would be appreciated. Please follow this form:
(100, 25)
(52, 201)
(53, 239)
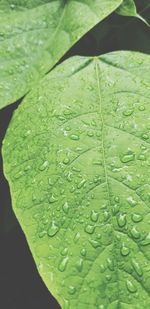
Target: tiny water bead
(125, 250)
(128, 112)
(66, 207)
(43, 166)
(63, 264)
(74, 137)
(53, 229)
(89, 229)
(94, 216)
(137, 267)
(52, 199)
(121, 220)
(83, 252)
(72, 290)
(79, 265)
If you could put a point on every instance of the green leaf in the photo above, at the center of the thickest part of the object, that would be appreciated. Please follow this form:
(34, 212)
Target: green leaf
(77, 158)
(34, 35)
(128, 8)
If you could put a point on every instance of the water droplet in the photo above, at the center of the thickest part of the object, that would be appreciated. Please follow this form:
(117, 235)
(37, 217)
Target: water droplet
(128, 112)
(115, 209)
(66, 161)
(145, 136)
(89, 229)
(94, 216)
(53, 199)
(141, 108)
(137, 267)
(74, 137)
(146, 241)
(43, 166)
(12, 6)
(125, 250)
(63, 264)
(137, 218)
(66, 304)
(79, 265)
(72, 290)
(42, 234)
(131, 201)
(81, 184)
(66, 208)
(53, 229)
(83, 252)
(77, 237)
(108, 277)
(106, 215)
(131, 287)
(64, 251)
(121, 220)
(95, 244)
(75, 169)
(135, 233)
(127, 158)
(90, 134)
(110, 264)
(141, 157)
(116, 199)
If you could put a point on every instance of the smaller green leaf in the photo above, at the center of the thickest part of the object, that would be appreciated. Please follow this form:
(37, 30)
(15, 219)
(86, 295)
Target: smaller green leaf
(128, 8)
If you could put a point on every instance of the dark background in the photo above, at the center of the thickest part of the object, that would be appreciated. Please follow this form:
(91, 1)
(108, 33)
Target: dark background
(20, 285)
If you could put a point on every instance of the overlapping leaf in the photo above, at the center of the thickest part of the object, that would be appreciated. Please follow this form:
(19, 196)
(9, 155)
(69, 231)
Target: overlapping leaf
(34, 35)
(77, 158)
(128, 8)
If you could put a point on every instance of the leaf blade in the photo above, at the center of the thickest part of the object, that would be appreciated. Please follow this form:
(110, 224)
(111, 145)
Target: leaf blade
(87, 225)
(35, 36)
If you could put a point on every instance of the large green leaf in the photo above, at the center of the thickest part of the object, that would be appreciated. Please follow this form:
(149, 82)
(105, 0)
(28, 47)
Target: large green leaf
(77, 158)
(34, 35)
(128, 8)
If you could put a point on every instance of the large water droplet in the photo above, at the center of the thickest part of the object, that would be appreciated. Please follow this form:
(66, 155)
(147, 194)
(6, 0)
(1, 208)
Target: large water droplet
(136, 218)
(131, 287)
(127, 158)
